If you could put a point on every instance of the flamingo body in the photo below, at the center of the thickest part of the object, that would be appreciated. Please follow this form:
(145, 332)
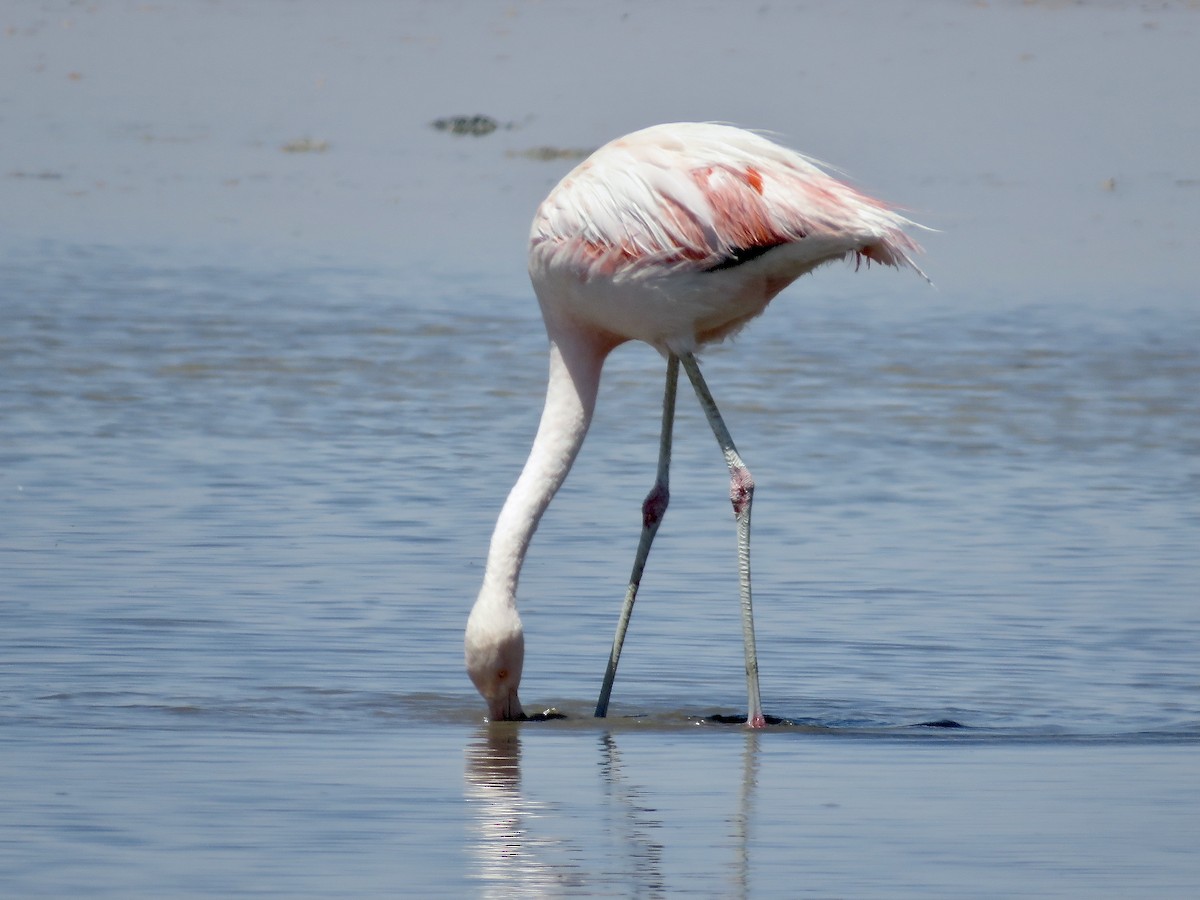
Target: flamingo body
(676, 235)
(643, 240)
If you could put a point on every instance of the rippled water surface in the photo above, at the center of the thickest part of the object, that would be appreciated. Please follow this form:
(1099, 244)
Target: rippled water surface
(259, 409)
(245, 513)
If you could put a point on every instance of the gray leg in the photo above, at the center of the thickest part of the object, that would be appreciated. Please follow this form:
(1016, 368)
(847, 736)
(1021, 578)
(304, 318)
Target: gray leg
(654, 507)
(741, 493)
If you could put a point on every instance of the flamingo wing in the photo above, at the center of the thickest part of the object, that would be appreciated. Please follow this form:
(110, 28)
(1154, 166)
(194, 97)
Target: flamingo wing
(707, 198)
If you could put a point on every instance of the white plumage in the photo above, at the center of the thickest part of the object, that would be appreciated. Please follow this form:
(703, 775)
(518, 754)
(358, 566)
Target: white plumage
(676, 235)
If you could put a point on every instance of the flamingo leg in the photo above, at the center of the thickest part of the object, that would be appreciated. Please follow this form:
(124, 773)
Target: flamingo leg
(741, 493)
(654, 507)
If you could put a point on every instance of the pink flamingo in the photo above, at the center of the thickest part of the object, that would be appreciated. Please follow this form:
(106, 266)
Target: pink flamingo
(676, 235)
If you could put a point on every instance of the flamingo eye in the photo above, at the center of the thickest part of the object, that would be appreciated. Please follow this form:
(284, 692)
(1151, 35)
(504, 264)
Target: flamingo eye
(502, 674)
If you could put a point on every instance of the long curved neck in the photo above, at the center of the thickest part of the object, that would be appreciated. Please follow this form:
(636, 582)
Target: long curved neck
(570, 400)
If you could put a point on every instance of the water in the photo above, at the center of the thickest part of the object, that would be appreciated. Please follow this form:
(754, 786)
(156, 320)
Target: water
(258, 412)
(245, 513)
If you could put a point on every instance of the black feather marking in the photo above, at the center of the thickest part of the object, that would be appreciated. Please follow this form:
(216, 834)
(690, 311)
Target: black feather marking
(740, 255)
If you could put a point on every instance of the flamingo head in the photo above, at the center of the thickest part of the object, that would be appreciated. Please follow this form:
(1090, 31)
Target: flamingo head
(495, 655)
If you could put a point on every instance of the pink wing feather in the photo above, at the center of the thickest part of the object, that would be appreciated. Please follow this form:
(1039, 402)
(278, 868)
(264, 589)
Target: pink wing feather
(693, 196)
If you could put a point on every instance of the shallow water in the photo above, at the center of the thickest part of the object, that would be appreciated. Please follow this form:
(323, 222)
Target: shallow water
(258, 412)
(244, 518)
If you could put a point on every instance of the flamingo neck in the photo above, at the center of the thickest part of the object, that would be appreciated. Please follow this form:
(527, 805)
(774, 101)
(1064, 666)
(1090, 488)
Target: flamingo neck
(575, 367)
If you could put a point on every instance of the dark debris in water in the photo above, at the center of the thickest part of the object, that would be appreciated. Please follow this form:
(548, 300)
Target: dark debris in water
(44, 175)
(552, 714)
(305, 145)
(550, 154)
(477, 125)
(776, 720)
(548, 716)
(741, 720)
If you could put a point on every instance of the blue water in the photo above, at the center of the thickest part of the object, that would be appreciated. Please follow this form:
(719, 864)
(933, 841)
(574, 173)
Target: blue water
(245, 511)
(259, 409)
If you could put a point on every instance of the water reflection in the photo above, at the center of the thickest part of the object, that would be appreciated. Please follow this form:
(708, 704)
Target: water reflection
(509, 858)
(524, 846)
(633, 821)
(745, 814)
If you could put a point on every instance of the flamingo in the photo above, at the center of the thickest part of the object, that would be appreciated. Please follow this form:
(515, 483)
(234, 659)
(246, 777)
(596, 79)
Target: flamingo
(676, 235)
